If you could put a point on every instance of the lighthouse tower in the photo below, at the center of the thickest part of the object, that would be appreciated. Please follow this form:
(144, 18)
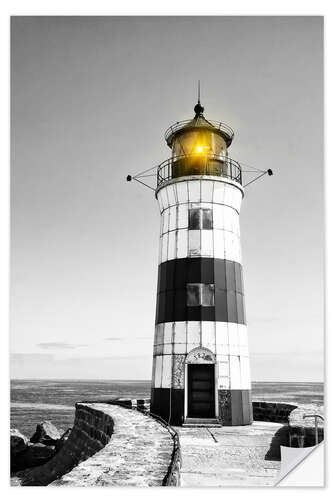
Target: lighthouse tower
(201, 368)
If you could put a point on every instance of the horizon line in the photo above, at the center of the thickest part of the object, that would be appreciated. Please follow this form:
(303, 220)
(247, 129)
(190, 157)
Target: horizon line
(148, 380)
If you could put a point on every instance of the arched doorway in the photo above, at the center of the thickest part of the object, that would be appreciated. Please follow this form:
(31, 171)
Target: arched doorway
(200, 384)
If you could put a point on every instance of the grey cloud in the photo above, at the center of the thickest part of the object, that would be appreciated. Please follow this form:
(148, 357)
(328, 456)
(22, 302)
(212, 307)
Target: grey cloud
(59, 345)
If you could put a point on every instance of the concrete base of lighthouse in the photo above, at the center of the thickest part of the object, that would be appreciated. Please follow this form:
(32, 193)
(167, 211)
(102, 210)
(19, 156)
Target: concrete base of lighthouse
(234, 407)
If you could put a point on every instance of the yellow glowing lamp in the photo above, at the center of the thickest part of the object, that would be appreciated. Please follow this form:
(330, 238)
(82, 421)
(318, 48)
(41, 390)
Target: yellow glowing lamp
(199, 149)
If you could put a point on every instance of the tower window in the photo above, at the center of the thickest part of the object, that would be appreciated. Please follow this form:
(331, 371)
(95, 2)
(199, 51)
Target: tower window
(200, 294)
(200, 218)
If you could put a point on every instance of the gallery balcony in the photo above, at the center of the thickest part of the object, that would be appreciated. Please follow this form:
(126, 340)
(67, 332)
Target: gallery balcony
(199, 164)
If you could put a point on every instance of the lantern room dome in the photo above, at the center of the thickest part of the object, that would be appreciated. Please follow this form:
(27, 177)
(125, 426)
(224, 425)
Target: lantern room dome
(199, 122)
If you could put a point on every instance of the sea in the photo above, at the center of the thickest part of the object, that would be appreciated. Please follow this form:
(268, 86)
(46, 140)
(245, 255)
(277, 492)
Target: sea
(33, 401)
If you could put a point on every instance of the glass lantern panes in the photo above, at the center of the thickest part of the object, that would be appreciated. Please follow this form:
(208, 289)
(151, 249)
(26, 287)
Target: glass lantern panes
(199, 142)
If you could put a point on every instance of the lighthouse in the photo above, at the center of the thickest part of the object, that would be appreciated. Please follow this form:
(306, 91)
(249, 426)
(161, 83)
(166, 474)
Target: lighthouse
(201, 371)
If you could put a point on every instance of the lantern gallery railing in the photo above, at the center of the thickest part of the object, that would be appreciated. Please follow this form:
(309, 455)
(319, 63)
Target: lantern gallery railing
(222, 127)
(199, 164)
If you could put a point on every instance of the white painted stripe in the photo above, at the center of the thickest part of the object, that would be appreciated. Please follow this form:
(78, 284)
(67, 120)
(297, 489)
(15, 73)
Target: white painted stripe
(168, 327)
(180, 335)
(167, 371)
(158, 349)
(222, 349)
(153, 372)
(171, 194)
(233, 334)
(182, 243)
(180, 348)
(223, 371)
(206, 243)
(208, 337)
(235, 373)
(242, 335)
(221, 329)
(172, 218)
(219, 246)
(167, 349)
(159, 333)
(234, 350)
(182, 192)
(194, 191)
(223, 363)
(164, 254)
(194, 243)
(179, 338)
(224, 383)
(164, 199)
(194, 332)
(183, 216)
(218, 193)
(165, 225)
(159, 199)
(158, 372)
(223, 242)
(206, 191)
(172, 245)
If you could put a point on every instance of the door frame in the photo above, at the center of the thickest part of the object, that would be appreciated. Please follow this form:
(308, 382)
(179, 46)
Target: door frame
(201, 356)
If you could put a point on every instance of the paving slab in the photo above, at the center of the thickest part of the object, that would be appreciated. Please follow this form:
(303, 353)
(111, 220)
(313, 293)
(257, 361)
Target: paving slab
(228, 456)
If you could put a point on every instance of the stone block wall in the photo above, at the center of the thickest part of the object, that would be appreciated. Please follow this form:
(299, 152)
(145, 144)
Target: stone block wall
(140, 453)
(272, 412)
(110, 445)
(92, 430)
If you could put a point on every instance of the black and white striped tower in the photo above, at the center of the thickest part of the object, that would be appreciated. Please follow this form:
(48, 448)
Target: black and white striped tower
(201, 361)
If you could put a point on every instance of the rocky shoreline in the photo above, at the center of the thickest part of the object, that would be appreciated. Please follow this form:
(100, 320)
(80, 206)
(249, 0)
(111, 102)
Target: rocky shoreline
(46, 441)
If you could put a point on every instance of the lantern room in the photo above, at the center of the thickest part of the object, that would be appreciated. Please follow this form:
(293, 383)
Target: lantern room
(199, 147)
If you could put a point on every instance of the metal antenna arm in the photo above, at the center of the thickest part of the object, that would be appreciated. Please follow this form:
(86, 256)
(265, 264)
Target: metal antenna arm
(269, 172)
(130, 178)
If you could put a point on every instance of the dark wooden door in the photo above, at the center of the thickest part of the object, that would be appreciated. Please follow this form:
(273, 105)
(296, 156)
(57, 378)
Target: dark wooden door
(201, 391)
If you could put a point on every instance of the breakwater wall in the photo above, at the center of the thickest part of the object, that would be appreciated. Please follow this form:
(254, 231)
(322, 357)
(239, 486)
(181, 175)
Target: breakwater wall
(110, 446)
(272, 412)
(296, 432)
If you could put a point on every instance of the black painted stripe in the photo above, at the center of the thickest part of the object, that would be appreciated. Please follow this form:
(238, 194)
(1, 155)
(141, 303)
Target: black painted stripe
(160, 404)
(175, 274)
(173, 277)
(235, 406)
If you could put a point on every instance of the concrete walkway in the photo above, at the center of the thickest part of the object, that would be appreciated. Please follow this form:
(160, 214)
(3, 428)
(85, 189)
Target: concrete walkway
(228, 456)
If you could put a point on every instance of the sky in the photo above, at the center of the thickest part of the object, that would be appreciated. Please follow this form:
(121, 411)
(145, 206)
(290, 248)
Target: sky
(91, 98)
